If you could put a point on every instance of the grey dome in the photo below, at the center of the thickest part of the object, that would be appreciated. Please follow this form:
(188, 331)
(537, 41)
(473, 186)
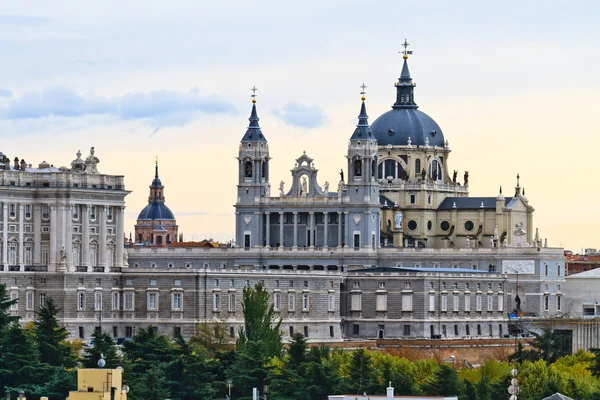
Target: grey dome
(156, 210)
(397, 125)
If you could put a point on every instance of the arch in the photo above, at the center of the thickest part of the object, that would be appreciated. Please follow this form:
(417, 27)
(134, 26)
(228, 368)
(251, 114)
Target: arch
(357, 164)
(417, 166)
(265, 169)
(435, 169)
(373, 167)
(248, 169)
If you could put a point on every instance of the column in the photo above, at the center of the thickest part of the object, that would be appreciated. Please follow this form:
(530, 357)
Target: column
(53, 237)
(5, 235)
(268, 229)
(61, 234)
(102, 237)
(295, 229)
(69, 236)
(339, 242)
(325, 230)
(281, 215)
(37, 234)
(119, 249)
(85, 235)
(347, 233)
(21, 235)
(312, 229)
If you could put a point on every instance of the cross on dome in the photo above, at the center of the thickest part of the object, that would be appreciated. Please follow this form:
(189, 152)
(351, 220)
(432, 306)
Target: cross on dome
(253, 90)
(405, 52)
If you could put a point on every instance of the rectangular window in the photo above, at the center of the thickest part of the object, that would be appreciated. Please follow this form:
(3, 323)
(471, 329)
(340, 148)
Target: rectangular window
(176, 302)
(355, 329)
(128, 331)
(490, 302)
(444, 331)
(331, 302)
(231, 283)
(128, 301)
(152, 301)
(232, 302)
(98, 301)
(28, 211)
(129, 282)
(331, 331)
(468, 330)
(305, 302)
(42, 299)
(291, 302)
(216, 301)
(478, 302)
(45, 211)
(277, 301)
(12, 212)
(231, 332)
(546, 303)
(81, 333)
(406, 330)
(413, 199)
(455, 330)
(153, 282)
(432, 302)
(558, 305)
(381, 285)
(30, 301)
(14, 295)
(356, 240)
(75, 213)
(444, 302)
(177, 282)
(501, 302)
(356, 304)
(478, 329)
(467, 302)
(305, 331)
(81, 301)
(455, 302)
(216, 283)
(491, 330)
(381, 303)
(407, 302)
(115, 300)
(92, 213)
(291, 331)
(291, 283)
(500, 330)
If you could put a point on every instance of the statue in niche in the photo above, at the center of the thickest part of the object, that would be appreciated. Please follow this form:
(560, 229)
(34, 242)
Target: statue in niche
(326, 188)
(357, 168)
(304, 191)
(491, 242)
(454, 176)
(398, 220)
(435, 175)
(517, 303)
(468, 242)
(125, 257)
(248, 172)
(268, 190)
(341, 175)
(281, 184)
(466, 178)
(63, 253)
(423, 174)
(91, 163)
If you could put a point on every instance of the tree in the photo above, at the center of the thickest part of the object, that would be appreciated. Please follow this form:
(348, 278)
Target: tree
(19, 360)
(5, 303)
(213, 336)
(362, 376)
(51, 337)
(446, 383)
(104, 346)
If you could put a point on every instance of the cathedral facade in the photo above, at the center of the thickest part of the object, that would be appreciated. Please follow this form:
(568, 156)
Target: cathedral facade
(395, 249)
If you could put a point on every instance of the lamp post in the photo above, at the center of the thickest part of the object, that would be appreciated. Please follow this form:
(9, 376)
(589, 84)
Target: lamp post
(229, 382)
(514, 389)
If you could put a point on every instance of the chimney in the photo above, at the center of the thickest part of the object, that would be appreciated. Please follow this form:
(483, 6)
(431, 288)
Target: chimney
(390, 391)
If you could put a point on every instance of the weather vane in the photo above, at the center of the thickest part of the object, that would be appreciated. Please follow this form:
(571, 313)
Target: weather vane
(156, 160)
(254, 89)
(405, 52)
(362, 93)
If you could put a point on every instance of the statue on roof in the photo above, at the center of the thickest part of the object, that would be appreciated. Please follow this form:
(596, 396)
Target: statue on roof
(466, 178)
(281, 193)
(454, 176)
(341, 175)
(326, 188)
(304, 191)
(91, 163)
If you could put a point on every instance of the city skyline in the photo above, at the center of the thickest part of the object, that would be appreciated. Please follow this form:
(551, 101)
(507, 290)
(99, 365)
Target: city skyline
(519, 89)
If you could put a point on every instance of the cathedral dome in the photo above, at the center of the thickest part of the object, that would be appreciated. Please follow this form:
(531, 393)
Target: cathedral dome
(156, 210)
(397, 125)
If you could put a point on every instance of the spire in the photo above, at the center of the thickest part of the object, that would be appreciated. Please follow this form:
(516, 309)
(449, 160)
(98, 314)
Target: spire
(405, 85)
(362, 130)
(254, 134)
(518, 187)
(156, 183)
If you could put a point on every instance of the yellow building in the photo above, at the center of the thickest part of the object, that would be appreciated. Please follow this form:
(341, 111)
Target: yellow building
(99, 384)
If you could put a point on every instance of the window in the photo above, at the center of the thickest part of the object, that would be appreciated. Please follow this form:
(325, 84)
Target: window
(216, 301)
(407, 302)
(14, 295)
(413, 199)
(356, 240)
(291, 302)
(81, 334)
(432, 302)
(231, 283)
(500, 302)
(491, 330)
(98, 301)
(444, 302)
(406, 285)
(468, 330)
(231, 302)
(444, 331)
(45, 211)
(478, 329)
(356, 304)
(276, 282)
(276, 301)
(455, 330)
(467, 286)
(305, 302)
(176, 302)
(177, 282)
(305, 331)
(417, 166)
(558, 305)
(490, 302)
(331, 331)
(291, 331)
(455, 303)
(478, 302)
(75, 213)
(558, 269)
(12, 212)
(381, 302)
(109, 213)
(128, 301)
(28, 211)
(92, 213)
(231, 332)
(129, 282)
(152, 301)
(356, 285)
(500, 330)
(29, 304)
(546, 303)
(331, 285)
(153, 282)
(546, 269)
(355, 329)
(128, 331)
(406, 330)
(331, 302)
(81, 301)
(42, 299)
(115, 300)
(467, 302)
(381, 285)
(291, 283)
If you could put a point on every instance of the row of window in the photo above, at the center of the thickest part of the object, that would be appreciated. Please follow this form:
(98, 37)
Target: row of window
(27, 210)
(128, 301)
(435, 302)
(432, 330)
(29, 300)
(435, 285)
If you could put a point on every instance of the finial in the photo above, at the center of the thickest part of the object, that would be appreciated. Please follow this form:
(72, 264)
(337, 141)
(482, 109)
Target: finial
(405, 52)
(500, 189)
(156, 159)
(363, 87)
(254, 89)
(518, 179)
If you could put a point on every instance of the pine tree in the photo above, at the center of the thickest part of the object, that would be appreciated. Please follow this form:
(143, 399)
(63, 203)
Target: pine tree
(5, 303)
(446, 383)
(19, 360)
(51, 337)
(104, 345)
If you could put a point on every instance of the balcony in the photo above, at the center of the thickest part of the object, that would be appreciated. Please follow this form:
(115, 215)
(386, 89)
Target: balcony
(98, 269)
(14, 268)
(36, 268)
(115, 269)
(81, 268)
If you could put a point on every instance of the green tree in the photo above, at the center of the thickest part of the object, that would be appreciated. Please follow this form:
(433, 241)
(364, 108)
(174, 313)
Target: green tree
(51, 337)
(446, 383)
(362, 377)
(19, 360)
(104, 346)
(5, 303)
(551, 345)
(213, 336)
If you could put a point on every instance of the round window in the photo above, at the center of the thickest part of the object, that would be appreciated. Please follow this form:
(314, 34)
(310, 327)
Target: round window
(469, 225)
(445, 225)
(412, 225)
(429, 225)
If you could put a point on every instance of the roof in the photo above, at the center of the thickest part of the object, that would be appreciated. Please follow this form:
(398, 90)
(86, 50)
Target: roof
(397, 125)
(253, 134)
(156, 210)
(557, 396)
(418, 269)
(471, 203)
(362, 131)
(204, 243)
(385, 202)
(593, 273)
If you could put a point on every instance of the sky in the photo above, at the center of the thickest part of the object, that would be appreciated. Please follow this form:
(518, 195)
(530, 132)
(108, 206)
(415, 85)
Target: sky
(513, 85)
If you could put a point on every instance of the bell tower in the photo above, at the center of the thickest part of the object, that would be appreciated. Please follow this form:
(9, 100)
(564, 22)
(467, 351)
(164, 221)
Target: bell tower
(253, 180)
(362, 227)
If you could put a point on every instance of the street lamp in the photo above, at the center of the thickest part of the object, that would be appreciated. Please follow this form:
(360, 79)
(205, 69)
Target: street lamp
(229, 382)
(514, 388)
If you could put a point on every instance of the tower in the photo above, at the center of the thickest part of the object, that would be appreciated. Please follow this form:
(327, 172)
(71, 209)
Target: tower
(253, 181)
(362, 189)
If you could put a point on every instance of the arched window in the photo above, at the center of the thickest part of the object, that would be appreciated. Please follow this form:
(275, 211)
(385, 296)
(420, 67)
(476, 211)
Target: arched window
(390, 169)
(373, 167)
(264, 169)
(402, 173)
(357, 168)
(380, 171)
(417, 166)
(435, 170)
(248, 169)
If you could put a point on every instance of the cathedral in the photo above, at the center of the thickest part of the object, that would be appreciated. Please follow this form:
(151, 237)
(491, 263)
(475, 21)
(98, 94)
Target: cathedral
(396, 249)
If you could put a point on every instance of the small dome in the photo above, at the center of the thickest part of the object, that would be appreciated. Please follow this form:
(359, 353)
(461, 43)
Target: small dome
(156, 182)
(156, 210)
(397, 125)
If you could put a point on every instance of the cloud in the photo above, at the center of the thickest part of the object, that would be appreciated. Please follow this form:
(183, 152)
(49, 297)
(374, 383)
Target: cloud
(5, 92)
(301, 115)
(23, 20)
(159, 108)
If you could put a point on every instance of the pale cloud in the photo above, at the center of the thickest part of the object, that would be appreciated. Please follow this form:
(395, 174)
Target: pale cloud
(158, 108)
(301, 115)
(23, 20)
